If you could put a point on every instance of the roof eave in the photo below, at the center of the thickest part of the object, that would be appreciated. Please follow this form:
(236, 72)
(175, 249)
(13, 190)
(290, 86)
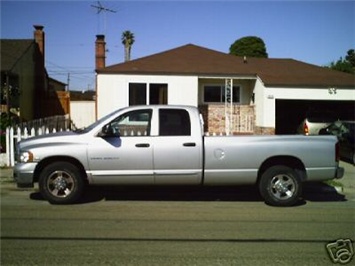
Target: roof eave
(305, 86)
(177, 73)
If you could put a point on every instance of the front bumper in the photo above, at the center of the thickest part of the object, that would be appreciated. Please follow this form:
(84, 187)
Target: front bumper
(24, 174)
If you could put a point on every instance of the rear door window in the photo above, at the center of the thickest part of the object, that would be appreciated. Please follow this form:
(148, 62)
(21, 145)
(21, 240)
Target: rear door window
(174, 122)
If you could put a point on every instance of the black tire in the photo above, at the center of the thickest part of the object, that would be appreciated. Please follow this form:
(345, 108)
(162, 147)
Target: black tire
(61, 183)
(280, 186)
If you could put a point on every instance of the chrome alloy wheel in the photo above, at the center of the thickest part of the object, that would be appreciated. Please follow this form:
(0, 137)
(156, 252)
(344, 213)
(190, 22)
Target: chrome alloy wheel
(282, 186)
(60, 184)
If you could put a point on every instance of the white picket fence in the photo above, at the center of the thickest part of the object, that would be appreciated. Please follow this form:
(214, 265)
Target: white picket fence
(29, 129)
(16, 134)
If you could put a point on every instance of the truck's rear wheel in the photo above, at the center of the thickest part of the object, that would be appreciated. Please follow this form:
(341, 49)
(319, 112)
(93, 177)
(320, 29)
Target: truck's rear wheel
(61, 183)
(280, 186)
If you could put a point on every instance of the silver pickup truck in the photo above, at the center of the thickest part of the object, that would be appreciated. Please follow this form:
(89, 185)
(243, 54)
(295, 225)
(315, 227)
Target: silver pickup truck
(165, 145)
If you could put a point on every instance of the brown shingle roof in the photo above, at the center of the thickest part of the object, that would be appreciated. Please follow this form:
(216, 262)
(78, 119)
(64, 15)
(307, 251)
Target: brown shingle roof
(82, 96)
(12, 51)
(293, 73)
(195, 60)
(186, 60)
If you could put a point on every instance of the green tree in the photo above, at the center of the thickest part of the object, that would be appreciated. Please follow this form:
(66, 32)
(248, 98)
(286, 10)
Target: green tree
(350, 57)
(342, 65)
(251, 46)
(345, 65)
(9, 92)
(127, 40)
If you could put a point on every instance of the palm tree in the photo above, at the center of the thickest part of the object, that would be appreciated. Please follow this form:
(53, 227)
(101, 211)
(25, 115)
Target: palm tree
(127, 40)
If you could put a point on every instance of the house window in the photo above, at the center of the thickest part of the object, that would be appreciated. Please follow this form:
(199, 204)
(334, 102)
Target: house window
(216, 94)
(137, 94)
(140, 95)
(158, 93)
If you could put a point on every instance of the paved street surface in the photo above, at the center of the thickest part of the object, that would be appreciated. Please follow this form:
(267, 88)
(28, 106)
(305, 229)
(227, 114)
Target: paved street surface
(175, 226)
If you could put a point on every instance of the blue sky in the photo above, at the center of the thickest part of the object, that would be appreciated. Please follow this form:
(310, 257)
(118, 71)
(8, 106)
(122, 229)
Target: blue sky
(316, 32)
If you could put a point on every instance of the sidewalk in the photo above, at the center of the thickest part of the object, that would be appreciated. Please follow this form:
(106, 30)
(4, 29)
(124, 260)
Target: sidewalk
(6, 180)
(348, 181)
(6, 175)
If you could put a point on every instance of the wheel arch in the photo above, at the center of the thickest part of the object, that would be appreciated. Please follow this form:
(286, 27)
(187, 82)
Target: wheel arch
(47, 161)
(289, 161)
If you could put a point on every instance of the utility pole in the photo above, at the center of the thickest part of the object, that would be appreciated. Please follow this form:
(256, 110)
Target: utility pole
(68, 81)
(7, 93)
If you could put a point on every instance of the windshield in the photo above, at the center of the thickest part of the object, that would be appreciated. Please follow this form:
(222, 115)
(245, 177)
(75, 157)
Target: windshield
(95, 124)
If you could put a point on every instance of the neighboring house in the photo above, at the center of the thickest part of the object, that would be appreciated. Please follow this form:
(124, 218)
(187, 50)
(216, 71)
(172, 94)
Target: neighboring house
(23, 74)
(22, 69)
(56, 85)
(266, 95)
(82, 108)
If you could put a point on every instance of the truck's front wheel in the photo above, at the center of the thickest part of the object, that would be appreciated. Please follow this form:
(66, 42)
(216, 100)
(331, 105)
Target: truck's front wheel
(61, 183)
(280, 186)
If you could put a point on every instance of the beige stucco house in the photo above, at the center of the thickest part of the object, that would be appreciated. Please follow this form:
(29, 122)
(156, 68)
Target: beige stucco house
(236, 95)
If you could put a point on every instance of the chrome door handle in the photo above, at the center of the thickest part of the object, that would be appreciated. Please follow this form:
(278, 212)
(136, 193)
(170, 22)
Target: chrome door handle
(143, 145)
(189, 144)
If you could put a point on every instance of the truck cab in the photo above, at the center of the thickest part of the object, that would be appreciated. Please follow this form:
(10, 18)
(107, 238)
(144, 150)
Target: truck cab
(153, 145)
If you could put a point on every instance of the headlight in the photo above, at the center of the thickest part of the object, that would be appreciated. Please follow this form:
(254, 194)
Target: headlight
(25, 157)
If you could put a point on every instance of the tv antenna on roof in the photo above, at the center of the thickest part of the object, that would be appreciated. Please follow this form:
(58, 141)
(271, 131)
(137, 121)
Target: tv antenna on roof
(100, 8)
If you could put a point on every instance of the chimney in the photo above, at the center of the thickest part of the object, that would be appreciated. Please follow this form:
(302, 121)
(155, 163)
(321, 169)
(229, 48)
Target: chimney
(100, 51)
(39, 38)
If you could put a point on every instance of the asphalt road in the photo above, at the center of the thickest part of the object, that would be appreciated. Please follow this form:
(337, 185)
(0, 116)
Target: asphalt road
(175, 226)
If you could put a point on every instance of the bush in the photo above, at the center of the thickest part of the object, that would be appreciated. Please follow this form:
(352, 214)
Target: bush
(6, 121)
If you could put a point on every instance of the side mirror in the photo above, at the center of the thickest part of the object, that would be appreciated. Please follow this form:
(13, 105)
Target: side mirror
(108, 132)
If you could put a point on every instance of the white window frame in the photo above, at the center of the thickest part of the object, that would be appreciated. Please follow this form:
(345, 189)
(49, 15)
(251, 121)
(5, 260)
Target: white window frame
(147, 89)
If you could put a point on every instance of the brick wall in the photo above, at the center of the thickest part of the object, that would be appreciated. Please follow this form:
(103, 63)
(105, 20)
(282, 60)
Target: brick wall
(264, 131)
(214, 117)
